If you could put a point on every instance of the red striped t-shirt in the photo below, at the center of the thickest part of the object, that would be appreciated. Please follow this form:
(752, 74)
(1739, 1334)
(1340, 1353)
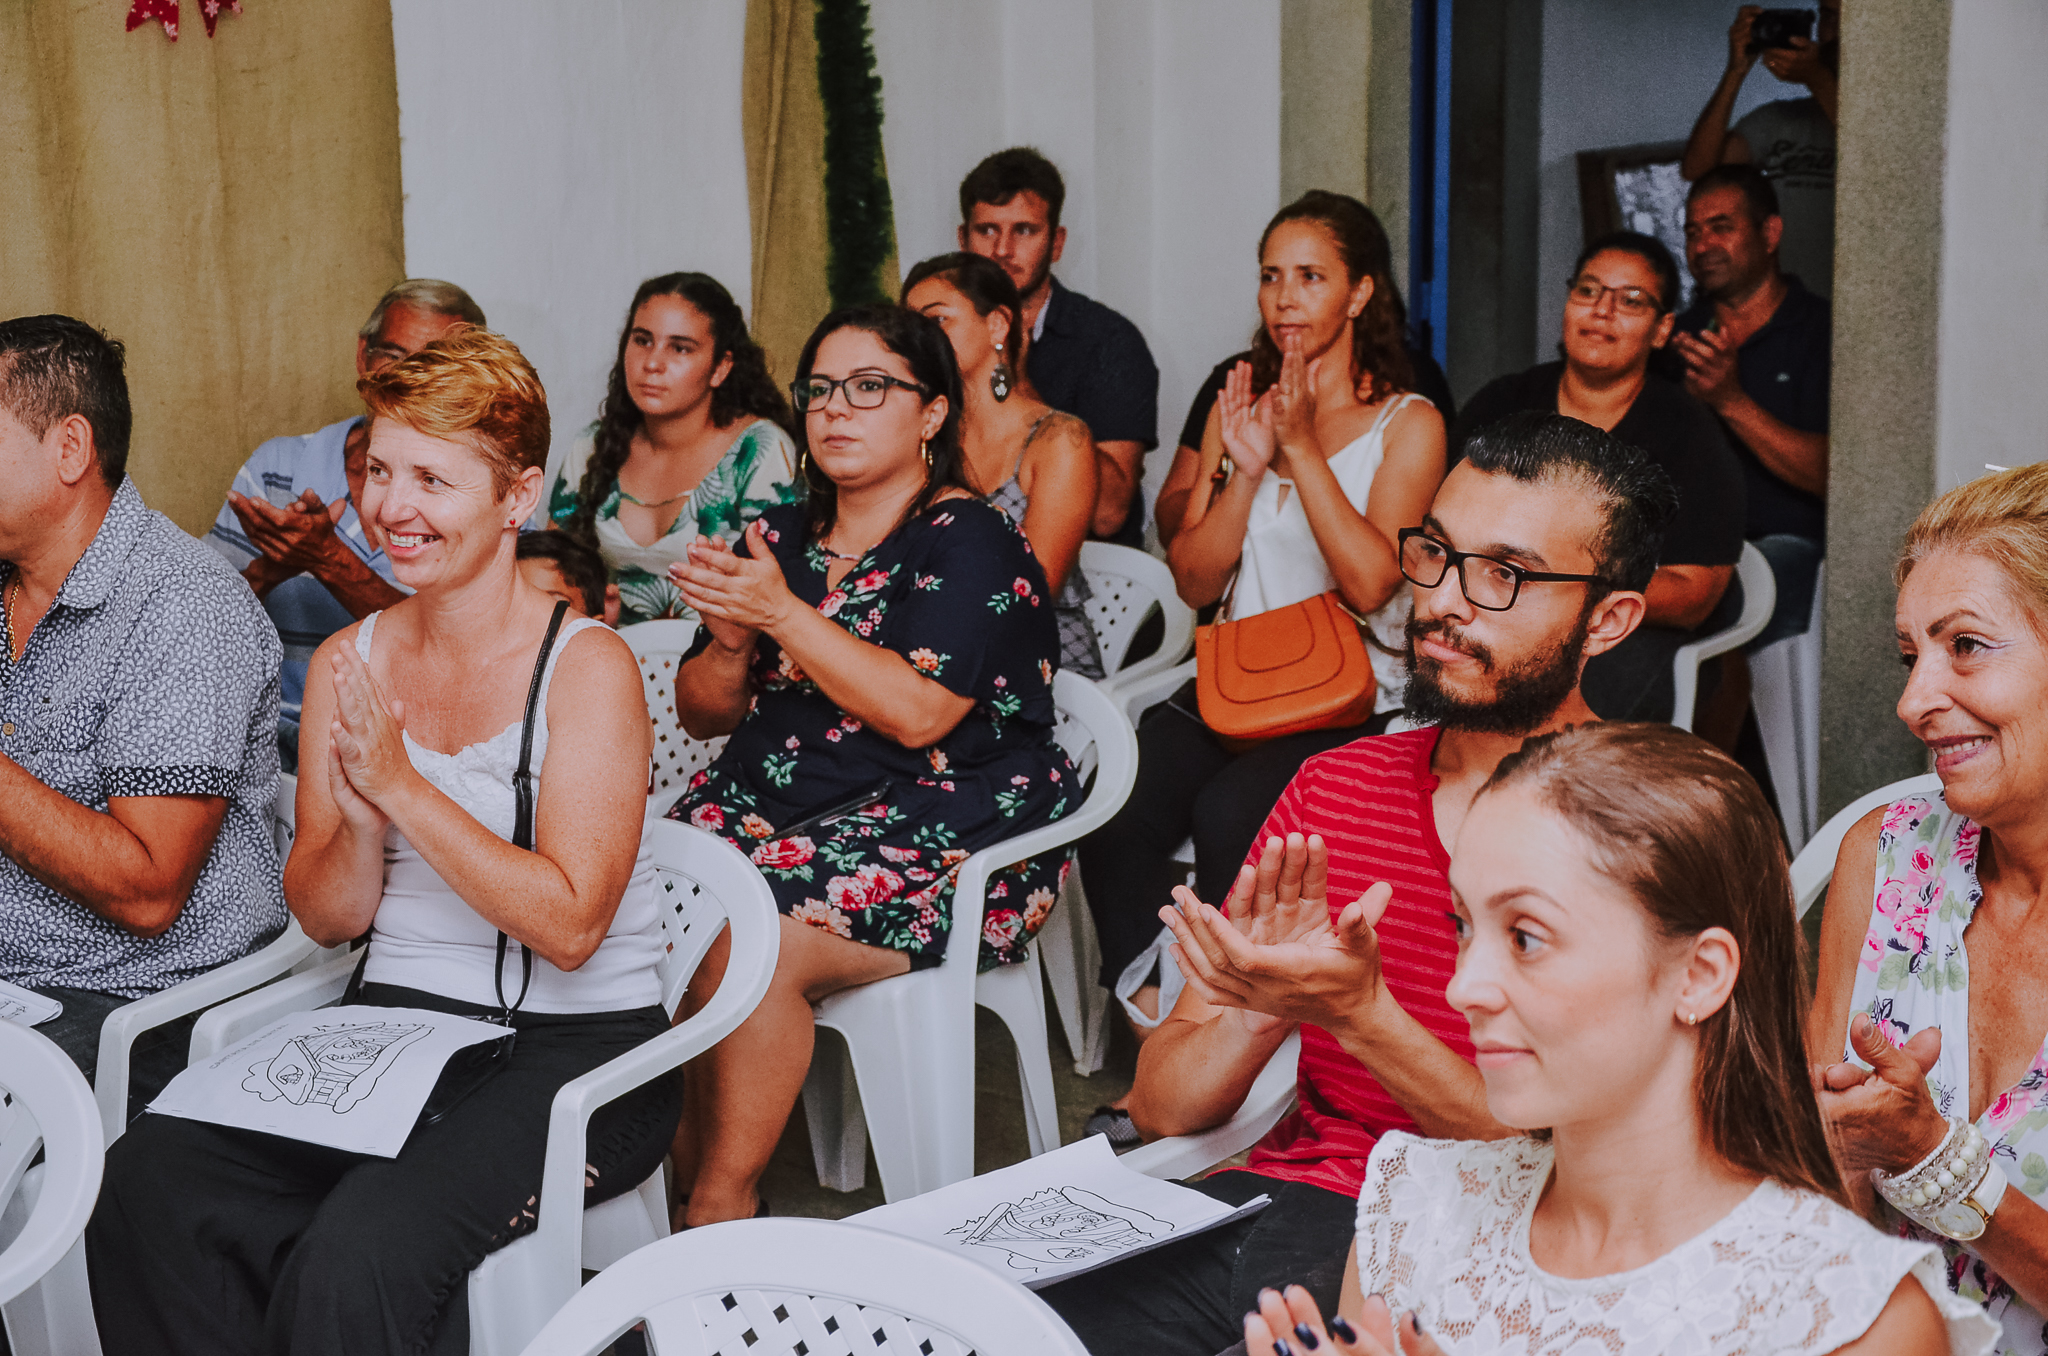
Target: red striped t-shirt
(1370, 800)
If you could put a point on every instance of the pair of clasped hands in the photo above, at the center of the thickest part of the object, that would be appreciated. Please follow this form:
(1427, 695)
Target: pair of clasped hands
(1279, 959)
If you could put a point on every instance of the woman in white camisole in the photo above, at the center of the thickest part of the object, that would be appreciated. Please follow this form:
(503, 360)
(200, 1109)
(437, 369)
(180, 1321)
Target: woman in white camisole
(226, 1240)
(1316, 456)
(1629, 964)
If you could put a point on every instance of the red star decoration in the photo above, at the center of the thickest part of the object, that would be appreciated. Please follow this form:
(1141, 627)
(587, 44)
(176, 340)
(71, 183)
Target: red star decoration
(209, 10)
(164, 11)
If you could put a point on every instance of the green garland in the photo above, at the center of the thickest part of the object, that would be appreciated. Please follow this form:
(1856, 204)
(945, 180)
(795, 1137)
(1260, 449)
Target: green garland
(859, 222)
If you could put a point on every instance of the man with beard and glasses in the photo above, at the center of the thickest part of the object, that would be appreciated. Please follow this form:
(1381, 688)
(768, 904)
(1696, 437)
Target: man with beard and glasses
(1532, 558)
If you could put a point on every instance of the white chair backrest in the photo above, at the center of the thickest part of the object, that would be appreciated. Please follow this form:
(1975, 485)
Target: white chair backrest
(1814, 867)
(660, 647)
(1759, 596)
(776, 1287)
(49, 1107)
(284, 815)
(1128, 584)
(703, 883)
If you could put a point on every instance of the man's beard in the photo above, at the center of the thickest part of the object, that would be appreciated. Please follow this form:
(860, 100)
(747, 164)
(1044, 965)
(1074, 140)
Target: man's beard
(1525, 696)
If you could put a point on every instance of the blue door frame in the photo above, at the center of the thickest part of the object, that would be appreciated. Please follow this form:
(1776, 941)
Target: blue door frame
(1429, 174)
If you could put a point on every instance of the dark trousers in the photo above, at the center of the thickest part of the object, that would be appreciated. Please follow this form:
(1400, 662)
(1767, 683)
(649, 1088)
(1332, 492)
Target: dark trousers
(1188, 784)
(1190, 1298)
(155, 1059)
(216, 1241)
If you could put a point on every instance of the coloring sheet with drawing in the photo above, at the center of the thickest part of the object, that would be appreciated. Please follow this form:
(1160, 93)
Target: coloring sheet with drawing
(352, 1078)
(26, 1006)
(1056, 1215)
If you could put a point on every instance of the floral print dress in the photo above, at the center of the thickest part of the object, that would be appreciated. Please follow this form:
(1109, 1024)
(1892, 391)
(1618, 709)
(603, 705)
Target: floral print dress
(1914, 973)
(757, 471)
(954, 591)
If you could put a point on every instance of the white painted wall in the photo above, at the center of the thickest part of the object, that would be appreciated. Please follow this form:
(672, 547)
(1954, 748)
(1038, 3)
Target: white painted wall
(1993, 328)
(1164, 118)
(554, 155)
(1620, 73)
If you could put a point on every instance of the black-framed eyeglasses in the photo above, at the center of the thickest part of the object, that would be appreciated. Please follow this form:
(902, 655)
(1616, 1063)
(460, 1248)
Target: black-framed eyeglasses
(1488, 583)
(1635, 301)
(864, 390)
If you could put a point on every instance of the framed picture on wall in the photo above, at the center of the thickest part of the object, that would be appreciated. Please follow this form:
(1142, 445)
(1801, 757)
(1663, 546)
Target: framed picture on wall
(1637, 188)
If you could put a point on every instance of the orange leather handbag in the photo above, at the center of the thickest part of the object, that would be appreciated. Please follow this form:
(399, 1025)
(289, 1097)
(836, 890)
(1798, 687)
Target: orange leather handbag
(1295, 668)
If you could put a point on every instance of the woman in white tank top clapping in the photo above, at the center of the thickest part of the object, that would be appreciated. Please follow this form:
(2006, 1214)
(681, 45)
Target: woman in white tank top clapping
(226, 1240)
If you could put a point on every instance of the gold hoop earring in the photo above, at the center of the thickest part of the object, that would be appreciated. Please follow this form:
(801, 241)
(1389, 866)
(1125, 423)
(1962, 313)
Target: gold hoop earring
(924, 449)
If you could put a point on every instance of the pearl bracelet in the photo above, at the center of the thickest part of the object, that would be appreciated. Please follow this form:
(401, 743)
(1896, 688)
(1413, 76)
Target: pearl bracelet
(1953, 1190)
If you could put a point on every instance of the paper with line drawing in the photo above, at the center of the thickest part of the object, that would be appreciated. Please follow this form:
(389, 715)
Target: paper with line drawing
(1057, 1215)
(352, 1078)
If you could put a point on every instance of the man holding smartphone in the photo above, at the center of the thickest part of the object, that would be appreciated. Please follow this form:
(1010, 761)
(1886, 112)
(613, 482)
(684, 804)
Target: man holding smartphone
(1791, 140)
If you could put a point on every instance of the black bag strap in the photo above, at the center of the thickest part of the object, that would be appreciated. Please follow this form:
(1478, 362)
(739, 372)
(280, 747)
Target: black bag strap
(522, 811)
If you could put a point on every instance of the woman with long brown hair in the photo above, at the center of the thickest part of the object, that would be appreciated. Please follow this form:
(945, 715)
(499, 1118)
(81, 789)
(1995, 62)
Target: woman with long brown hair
(1630, 967)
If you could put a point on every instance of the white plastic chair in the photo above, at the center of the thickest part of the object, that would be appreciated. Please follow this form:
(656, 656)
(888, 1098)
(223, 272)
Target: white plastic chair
(907, 1068)
(705, 883)
(1759, 595)
(1785, 694)
(659, 646)
(1814, 867)
(775, 1287)
(1128, 585)
(51, 1109)
(1271, 1097)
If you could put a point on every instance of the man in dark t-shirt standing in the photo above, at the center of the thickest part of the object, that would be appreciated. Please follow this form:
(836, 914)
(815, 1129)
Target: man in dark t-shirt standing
(1083, 358)
(1616, 315)
(1756, 348)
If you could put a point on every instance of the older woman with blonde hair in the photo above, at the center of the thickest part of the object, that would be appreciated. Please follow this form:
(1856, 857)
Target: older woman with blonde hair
(209, 1239)
(1931, 1002)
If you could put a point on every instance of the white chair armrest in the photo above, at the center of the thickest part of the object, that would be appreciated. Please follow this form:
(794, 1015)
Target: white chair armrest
(1271, 1097)
(247, 1015)
(125, 1024)
(1137, 695)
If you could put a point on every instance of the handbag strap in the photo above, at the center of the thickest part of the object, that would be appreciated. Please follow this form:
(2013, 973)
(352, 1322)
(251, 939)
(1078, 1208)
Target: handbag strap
(522, 813)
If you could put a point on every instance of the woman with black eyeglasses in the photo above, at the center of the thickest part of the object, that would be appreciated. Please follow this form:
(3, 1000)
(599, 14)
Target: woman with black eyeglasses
(1618, 315)
(882, 657)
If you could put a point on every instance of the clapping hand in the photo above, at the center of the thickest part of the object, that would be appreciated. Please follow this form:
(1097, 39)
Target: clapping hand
(737, 596)
(366, 756)
(1278, 955)
(1294, 398)
(300, 534)
(1291, 1324)
(1246, 424)
(1710, 374)
(1881, 1117)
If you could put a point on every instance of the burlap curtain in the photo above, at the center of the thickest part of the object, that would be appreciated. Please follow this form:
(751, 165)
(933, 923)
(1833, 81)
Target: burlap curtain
(229, 208)
(783, 119)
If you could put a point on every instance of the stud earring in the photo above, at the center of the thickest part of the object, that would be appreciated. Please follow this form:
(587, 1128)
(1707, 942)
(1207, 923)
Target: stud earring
(999, 380)
(1692, 1019)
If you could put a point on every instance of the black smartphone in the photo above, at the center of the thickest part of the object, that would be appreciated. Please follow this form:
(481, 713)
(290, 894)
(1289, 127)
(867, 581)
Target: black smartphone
(1777, 28)
(840, 809)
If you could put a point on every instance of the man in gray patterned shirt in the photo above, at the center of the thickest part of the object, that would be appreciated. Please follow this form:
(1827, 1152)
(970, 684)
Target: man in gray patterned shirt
(138, 707)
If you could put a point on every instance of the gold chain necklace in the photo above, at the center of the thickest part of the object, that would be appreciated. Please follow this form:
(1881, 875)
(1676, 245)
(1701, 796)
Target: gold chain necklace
(13, 592)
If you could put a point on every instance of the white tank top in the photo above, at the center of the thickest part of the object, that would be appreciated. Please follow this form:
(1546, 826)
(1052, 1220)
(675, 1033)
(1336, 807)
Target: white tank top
(1281, 564)
(424, 936)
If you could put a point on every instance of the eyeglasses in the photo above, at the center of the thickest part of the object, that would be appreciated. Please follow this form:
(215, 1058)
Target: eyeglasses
(1493, 585)
(864, 390)
(1633, 301)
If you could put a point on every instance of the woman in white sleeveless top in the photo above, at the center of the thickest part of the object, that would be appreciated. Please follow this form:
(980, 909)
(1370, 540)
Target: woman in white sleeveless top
(214, 1240)
(1630, 967)
(1318, 454)
(1931, 1001)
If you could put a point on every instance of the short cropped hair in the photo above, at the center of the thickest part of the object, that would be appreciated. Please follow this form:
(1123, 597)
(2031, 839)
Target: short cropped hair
(1004, 175)
(1647, 248)
(1757, 193)
(582, 568)
(52, 367)
(473, 387)
(1636, 496)
(426, 294)
(2002, 518)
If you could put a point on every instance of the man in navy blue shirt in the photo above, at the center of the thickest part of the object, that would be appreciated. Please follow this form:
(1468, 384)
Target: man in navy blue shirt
(1756, 347)
(1084, 359)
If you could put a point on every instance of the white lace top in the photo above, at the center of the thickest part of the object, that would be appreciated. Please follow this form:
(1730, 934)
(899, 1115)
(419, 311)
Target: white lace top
(1443, 1228)
(425, 937)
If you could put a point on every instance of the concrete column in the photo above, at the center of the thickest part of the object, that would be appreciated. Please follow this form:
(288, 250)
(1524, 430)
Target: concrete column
(1887, 372)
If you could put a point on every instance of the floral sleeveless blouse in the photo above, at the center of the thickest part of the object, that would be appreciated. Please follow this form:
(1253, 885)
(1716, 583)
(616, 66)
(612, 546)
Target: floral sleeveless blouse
(1914, 973)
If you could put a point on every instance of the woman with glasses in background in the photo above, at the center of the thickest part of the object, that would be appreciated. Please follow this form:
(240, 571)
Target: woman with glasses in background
(1618, 313)
(882, 657)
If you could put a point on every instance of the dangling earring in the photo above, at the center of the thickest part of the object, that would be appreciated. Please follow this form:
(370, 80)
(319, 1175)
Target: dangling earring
(924, 449)
(803, 465)
(999, 380)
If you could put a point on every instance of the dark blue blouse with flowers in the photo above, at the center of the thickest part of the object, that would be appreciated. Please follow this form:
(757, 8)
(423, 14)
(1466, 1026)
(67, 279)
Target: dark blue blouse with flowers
(956, 592)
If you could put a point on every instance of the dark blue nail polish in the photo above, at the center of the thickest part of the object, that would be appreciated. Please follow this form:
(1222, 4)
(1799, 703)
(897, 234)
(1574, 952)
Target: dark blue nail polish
(1307, 1335)
(1280, 1347)
(1342, 1331)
